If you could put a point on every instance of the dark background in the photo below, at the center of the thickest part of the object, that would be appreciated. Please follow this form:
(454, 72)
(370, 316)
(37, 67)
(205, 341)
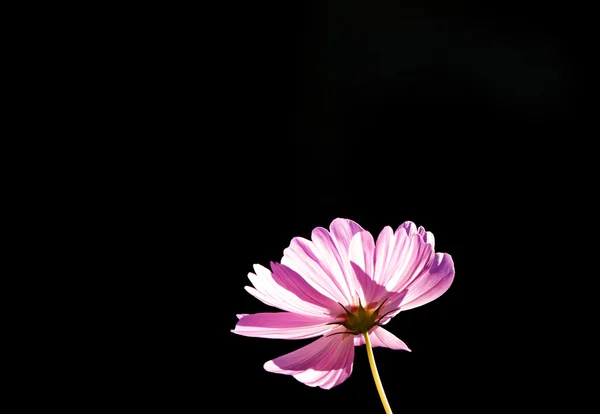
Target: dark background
(468, 120)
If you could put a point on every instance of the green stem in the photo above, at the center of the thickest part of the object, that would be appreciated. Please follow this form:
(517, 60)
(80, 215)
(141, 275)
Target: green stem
(386, 404)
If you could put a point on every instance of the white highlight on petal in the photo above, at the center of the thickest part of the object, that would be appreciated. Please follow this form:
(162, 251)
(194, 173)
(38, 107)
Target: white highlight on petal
(324, 363)
(282, 325)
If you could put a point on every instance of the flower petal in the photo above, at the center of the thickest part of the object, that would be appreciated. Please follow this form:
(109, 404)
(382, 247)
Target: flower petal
(324, 363)
(427, 236)
(342, 231)
(383, 338)
(285, 289)
(296, 284)
(409, 227)
(430, 284)
(334, 260)
(410, 254)
(361, 256)
(282, 325)
(385, 254)
(323, 262)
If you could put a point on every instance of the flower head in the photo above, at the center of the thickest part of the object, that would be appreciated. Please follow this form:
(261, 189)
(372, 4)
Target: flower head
(338, 286)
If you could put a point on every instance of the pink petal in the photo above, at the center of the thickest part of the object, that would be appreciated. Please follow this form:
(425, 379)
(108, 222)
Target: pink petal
(343, 230)
(427, 236)
(384, 338)
(285, 289)
(409, 256)
(334, 261)
(430, 284)
(323, 262)
(386, 254)
(409, 227)
(362, 251)
(302, 257)
(324, 363)
(282, 325)
(296, 284)
(381, 337)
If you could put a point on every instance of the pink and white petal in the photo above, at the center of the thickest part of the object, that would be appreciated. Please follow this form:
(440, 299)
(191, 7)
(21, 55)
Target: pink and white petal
(327, 379)
(362, 258)
(323, 262)
(305, 258)
(391, 254)
(430, 284)
(386, 254)
(381, 337)
(334, 261)
(282, 325)
(294, 283)
(384, 338)
(409, 227)
(368, 290)
(342, 231)
(325, 363)
(268, 300)
(287, 291)
(414, 256)
(427, 236)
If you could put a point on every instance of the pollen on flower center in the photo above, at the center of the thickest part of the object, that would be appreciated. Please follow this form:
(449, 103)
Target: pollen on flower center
(359, 320)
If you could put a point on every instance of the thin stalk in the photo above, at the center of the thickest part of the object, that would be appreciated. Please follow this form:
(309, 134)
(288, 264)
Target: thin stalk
(386, 404)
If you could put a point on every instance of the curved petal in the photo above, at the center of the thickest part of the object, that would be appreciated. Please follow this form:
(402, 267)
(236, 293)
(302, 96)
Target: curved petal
(285, 289)
(385, 254)
(409, 227)
(362, 256)
(324, 363)
(343, 230)
(282, 325)
(430, 284)
(391, 248)
(411, 255)
(383, 338)
(296, 284)
(334, 260)
(323, 261)
(427, 236)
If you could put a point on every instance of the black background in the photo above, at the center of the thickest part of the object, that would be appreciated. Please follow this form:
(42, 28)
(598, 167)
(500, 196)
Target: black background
(468, 120)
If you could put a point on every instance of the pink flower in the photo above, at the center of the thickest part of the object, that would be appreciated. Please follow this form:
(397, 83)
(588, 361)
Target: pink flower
(338, 286)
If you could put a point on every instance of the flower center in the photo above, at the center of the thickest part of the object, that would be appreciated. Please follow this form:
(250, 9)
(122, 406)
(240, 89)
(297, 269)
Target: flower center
(359, 320)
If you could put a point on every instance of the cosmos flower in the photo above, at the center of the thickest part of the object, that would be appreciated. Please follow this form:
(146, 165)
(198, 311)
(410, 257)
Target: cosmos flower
(342, 287)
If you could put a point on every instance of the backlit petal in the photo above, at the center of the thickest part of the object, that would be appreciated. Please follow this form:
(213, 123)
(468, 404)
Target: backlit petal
(323, 261)
(324, 363)
(384, 338)
(427, 236)
(381, 337)
(431, 284)
(285, 289)
(362, 251)
(409, 227)
(334, 260)
(282, 325)
(411, 255)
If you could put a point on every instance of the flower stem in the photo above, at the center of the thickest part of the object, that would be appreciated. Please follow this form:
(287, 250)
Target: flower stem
(386, 404)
